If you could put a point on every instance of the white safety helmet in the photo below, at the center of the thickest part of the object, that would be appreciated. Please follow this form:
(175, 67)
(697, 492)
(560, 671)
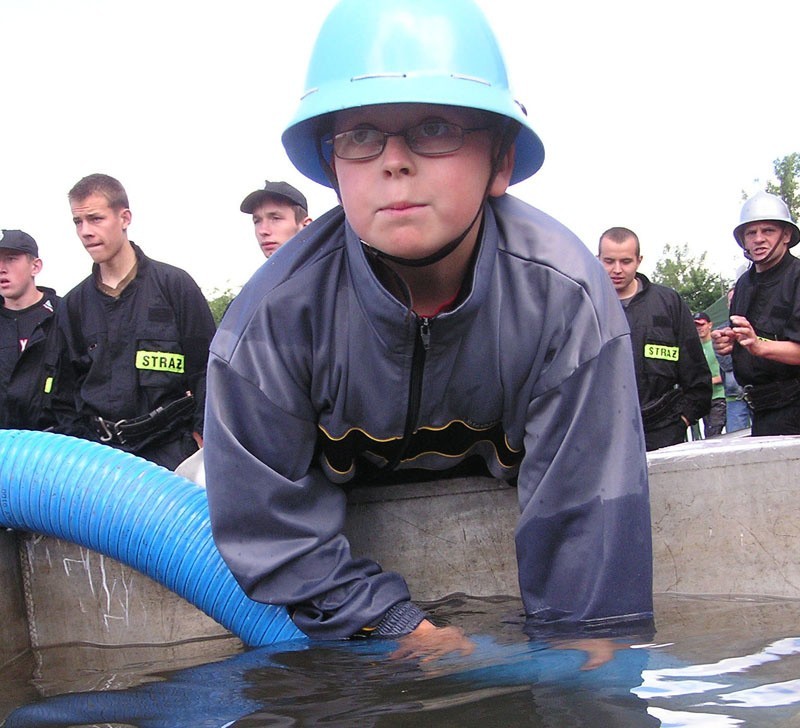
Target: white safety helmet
(764, 206)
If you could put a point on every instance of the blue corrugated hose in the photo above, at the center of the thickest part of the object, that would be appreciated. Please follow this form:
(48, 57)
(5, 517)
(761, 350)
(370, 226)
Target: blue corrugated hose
(135, 512)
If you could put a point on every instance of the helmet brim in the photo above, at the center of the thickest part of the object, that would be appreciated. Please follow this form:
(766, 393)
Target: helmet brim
(739, 230)
(301, 138)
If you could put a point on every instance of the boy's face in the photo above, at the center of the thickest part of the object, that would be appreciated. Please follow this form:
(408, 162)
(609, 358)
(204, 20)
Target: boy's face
(102, 230)
(621, 263)
(274, 222)
(409, 205)
(17, 271)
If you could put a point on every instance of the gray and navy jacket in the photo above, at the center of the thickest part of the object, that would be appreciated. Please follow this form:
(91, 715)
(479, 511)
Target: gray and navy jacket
(319, 378)
(667, 351)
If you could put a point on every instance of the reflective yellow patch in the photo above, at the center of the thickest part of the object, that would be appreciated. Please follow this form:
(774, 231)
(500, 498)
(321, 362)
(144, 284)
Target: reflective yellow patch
(659, 351)
(48, 385)
(160, 361)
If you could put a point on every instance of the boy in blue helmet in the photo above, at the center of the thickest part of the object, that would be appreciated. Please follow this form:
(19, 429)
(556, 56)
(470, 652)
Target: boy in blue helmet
(432, 323)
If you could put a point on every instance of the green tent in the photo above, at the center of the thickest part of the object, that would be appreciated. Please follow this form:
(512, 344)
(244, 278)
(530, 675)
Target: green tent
(718, 311)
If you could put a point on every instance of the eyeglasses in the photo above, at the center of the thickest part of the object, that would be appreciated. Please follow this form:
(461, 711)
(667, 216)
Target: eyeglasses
(428, 139)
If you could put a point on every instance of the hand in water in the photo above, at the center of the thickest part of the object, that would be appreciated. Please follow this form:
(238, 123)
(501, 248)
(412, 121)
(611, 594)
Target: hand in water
(599, 651)
(428, 643)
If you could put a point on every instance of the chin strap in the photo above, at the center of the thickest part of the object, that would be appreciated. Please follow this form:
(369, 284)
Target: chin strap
(433, 257)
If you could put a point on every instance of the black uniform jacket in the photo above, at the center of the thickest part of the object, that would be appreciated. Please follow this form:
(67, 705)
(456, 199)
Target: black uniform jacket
(771, 303)
(123, 357)
(25, 379)
(667, 350)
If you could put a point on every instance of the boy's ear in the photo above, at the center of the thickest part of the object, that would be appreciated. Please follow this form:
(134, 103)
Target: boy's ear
(502, 177)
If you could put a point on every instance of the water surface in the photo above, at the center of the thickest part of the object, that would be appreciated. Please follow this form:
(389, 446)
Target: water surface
(713, 662)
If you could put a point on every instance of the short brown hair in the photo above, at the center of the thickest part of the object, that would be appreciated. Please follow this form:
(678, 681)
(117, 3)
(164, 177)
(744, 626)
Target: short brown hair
(619, 235)
(101, 184)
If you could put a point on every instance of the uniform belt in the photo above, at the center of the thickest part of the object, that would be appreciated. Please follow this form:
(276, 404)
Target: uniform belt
(127, 431)
(773, 395)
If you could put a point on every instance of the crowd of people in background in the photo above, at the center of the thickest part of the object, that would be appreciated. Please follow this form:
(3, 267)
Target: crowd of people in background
(128, 368)
(121, 359)
(430, 324)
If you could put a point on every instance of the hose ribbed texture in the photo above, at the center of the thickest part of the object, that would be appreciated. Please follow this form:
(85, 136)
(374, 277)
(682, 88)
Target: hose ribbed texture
(135, 512)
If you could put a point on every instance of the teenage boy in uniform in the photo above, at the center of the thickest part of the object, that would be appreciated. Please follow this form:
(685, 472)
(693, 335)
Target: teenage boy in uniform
(134, 339)
(279, 212)
(26, 325)
(764, 332)
(672, 376)
(432, 324)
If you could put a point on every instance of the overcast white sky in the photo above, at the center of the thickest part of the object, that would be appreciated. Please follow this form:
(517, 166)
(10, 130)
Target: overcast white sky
(653, 116)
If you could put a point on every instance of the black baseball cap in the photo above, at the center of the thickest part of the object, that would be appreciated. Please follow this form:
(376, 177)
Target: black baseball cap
(702, 316)
(273, 189)
(18, 240)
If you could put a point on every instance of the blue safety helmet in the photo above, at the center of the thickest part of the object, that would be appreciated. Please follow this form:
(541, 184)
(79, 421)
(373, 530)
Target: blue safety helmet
(404, 51)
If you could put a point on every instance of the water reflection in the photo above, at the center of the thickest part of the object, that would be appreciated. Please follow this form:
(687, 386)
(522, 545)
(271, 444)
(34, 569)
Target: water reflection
(690, 677)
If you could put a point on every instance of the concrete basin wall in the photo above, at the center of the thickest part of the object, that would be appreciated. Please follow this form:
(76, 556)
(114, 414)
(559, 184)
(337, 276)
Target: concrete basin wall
(725, 516)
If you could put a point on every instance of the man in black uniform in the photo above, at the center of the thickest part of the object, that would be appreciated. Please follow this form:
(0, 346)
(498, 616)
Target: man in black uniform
(134, 339)
(672, 376)
(764, 332)
(26, 323)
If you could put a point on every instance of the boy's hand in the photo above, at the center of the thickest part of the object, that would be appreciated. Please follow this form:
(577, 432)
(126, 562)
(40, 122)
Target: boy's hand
(428, 642)
(599, 651)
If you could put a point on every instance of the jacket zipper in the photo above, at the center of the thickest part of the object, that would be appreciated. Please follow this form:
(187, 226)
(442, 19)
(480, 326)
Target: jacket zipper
(422, 343)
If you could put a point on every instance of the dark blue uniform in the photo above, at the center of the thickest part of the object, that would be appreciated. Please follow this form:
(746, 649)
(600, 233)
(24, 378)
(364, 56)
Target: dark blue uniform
(25, 379)
(124, 357)
(771, 303)
(669, 362)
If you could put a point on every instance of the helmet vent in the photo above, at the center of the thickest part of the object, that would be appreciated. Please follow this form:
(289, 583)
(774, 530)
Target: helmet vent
(474, 79)
(367, 76)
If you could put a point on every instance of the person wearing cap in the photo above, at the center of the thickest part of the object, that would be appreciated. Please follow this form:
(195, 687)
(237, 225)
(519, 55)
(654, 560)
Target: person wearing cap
(714, 421)
(134, 339)
(763, 336)
(432, 325)
(672, 376)
(279, 212)
(26, 327)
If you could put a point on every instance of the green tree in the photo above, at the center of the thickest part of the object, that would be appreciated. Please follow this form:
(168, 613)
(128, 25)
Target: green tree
(690, 277)
(219, 302)
(787, 171)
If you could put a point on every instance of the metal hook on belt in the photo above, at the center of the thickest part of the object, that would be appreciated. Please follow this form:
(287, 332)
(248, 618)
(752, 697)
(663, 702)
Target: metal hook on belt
(106, 435)
(110, 431)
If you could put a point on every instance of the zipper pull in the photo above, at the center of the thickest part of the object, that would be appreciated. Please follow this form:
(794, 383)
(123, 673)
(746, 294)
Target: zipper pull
(425, 332)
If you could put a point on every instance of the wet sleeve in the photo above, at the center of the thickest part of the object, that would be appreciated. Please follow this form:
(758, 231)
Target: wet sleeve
(583, 538)
(277, 520)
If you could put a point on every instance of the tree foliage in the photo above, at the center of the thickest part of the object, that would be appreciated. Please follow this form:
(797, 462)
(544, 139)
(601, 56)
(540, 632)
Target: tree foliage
(690, 277)
(787, 172)
(219, 303)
